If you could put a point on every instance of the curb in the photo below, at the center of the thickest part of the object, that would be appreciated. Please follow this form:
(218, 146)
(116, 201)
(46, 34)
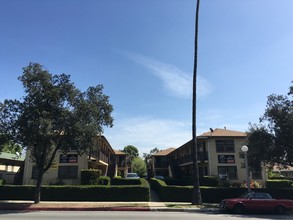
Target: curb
(75, 209)
(198, 210)
(138, 209)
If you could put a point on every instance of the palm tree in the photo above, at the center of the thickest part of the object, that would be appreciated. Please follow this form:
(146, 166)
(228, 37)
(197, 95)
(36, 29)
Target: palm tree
(196, 195)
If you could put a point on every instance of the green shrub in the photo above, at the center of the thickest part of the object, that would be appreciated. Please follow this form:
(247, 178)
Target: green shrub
(78, 193)
(209, 181)
(216, 194)
(280, 193)
(122, 181)
(184, 181)
(275, 175)
(279, 183)
(184, 193)
(10, 192)
(104, 180)
(2, 182)
(209, 194)
(90, 176)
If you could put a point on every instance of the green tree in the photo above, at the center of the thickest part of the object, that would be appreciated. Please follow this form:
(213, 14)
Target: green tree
(132, 153)
(147, 156)
(196, 195)
(260, 143)
(139, 166)
(279, 117)
(272, 140)
(147, 159)
(8, 146)
(3, 141)
(54, 115)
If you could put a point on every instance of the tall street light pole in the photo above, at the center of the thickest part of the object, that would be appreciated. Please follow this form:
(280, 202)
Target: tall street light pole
(244, 149)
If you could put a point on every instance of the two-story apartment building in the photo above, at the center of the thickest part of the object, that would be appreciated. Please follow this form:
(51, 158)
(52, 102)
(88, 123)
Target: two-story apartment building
(219, 154)
(160, 163)
(66, 167)
(11, 166)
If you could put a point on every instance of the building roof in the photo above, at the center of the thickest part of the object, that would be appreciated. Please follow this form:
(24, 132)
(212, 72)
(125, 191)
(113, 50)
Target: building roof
(9, 156)
(118, 152)
(164, 152)
(218, 132)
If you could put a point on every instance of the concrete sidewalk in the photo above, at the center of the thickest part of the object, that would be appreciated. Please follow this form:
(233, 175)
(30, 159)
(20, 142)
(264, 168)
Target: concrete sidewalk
(105, 206)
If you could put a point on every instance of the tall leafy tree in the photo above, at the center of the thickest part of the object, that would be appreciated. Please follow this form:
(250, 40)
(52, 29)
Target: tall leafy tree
(139, 166)
(147, 156)
(147, 159)
(279, 117)
(260, 143)
(196, 195)
(272, 140)
(3, 141)
(53, 115)
(8, 146)
(132, 152)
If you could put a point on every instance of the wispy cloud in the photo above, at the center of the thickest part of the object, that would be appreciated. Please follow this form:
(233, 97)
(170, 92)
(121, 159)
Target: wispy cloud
(176, 81)
(146, 133)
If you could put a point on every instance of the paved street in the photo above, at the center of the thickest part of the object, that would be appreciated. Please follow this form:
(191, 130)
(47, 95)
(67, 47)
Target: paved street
(86, 215)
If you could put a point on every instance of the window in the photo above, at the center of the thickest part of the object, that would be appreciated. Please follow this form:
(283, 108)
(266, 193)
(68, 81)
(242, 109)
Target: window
(225, 146)
(261, 196)
(230, 172)
(226, 159)
(35, 172)
(256, 173)
(68, 158)
(67, 172)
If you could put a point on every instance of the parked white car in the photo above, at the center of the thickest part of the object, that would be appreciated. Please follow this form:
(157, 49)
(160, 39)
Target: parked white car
(132, 176)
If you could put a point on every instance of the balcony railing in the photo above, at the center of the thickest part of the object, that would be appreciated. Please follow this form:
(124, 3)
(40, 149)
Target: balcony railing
(162, 164)
(202, 156)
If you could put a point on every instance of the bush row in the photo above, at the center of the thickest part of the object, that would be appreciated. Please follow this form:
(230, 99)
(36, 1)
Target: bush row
(188, 181)
(279, 183)
(209, 194)
(122, 181)
(93, 177)
(2, 182)
(90, 176)
(78, 193)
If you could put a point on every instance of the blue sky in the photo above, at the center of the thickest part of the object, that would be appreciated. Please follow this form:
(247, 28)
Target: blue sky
(142, 52)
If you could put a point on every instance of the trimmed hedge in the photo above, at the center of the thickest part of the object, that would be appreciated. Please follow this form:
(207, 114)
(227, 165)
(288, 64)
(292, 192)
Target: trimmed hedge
(78, 193)
(279, 183)
(184, 181)
(90, 176)
(209, 181)
(209, 194)
(121, 181)
(2, 182)
(104, 180)
(10, 192)
(188, 181)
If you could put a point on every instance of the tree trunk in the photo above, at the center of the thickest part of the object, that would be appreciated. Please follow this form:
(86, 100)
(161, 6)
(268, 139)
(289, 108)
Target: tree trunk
(196, 195)
(38, 188)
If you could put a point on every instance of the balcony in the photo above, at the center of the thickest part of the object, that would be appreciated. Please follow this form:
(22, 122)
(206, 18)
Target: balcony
(202, 156)
(161, 164)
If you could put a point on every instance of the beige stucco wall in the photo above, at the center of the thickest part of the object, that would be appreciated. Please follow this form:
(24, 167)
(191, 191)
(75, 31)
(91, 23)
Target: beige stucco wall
(51, 176)
(239, 162)
(8, 172)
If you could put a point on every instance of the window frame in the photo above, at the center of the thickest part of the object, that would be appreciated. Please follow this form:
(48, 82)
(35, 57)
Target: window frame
(230, 175)
(71, 172)
(226, 146)
(35, 172)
